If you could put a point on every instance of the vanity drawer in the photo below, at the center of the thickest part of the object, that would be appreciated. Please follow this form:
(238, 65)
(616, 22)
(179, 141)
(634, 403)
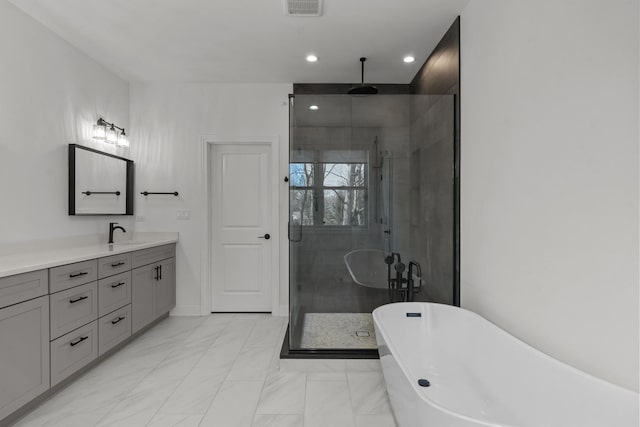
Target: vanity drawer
(70, 275)
(114, 292)
(108, 266)
(113, 329)
(22, 287)
(151, 255)
(73, 308)
(72, 351)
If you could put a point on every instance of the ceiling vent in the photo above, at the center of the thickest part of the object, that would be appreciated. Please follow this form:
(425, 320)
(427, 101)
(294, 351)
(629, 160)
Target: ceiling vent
(303, 7)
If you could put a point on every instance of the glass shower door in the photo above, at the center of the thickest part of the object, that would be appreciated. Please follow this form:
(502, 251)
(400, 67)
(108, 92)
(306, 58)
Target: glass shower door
(358, 178)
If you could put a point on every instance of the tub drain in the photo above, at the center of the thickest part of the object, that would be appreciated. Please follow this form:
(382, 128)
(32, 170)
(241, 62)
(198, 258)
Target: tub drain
(423, 383)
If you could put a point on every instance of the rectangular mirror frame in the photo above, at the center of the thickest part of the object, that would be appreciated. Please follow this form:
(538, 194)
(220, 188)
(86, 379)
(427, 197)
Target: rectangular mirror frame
(72, 181)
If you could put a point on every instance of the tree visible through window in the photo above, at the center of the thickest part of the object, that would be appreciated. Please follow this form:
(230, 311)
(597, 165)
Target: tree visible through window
(330, 194)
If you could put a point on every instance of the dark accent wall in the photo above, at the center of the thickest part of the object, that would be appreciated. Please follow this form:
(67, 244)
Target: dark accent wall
(440, 75)
(343, 88)
(431, 195)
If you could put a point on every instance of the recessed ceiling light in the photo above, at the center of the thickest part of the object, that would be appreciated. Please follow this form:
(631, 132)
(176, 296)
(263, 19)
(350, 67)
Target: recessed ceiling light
(409, 59)
(312, 58)
(313, 107)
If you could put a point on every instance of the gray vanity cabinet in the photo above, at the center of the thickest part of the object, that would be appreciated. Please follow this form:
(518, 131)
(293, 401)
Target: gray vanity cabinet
(166, 287)
(24, 353)
(55, 322)
(143, 280)
(153, 291)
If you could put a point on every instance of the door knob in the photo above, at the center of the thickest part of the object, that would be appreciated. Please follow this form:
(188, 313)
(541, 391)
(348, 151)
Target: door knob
(266, 236)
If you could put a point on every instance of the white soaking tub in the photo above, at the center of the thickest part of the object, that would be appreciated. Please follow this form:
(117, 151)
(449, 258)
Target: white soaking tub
(367, 267)
(479, 375)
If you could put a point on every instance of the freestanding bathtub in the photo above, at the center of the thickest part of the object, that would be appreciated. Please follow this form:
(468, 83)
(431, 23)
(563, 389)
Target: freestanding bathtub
(480, 375)
(367, 267)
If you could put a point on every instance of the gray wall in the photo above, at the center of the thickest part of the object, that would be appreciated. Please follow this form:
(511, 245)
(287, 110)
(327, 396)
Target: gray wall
(432, 197)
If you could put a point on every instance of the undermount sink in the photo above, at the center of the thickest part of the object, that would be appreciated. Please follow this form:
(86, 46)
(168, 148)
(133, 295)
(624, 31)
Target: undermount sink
(128, 243)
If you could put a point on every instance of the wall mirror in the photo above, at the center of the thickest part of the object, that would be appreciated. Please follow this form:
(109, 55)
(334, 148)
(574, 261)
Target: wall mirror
(99, 183)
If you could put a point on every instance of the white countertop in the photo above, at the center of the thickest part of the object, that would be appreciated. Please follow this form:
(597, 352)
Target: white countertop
(32, 256)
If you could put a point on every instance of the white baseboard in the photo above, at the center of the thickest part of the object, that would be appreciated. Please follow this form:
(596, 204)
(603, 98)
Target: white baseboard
(195, 310)
(283, 311)
(186, 310)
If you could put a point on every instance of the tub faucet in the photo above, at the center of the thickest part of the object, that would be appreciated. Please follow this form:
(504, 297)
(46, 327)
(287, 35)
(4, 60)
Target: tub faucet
(391, 257)
(113, 226)
(394, 284)
(400, 280)
(410, 285)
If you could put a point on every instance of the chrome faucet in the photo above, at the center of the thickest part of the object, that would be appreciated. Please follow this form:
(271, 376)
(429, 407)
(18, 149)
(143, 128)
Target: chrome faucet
(113, 226)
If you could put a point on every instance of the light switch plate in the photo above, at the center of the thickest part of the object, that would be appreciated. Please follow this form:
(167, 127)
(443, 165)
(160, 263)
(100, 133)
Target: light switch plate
(183, 214)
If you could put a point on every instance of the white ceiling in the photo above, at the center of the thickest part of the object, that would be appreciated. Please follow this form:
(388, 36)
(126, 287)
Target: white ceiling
(250, 41)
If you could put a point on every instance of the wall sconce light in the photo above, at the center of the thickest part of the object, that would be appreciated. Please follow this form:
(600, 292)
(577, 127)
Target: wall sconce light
(110, 133)
(99, 131)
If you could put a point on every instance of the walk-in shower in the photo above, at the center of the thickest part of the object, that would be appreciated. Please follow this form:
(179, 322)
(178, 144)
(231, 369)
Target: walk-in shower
(369, 176)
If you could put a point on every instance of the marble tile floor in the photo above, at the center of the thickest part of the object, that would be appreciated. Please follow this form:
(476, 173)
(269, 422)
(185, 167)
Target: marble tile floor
(221, 370)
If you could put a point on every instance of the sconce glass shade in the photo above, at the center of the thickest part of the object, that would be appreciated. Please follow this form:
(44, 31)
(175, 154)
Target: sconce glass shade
(123, 141)
(112, 135)
(99, 132)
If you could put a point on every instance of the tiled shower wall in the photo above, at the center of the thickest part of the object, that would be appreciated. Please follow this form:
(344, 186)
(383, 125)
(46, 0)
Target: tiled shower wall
(431, 192)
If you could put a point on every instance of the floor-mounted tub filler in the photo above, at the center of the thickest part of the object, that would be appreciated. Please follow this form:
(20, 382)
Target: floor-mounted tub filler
(445, 366)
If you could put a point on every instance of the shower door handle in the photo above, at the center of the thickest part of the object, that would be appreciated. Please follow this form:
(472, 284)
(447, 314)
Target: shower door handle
(289, 234)
(266, 236)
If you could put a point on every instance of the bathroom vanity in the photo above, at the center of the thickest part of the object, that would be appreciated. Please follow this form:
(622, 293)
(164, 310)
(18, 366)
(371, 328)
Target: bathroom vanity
(64, 309)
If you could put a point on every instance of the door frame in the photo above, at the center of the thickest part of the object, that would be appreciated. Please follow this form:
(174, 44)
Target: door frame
(208, 142)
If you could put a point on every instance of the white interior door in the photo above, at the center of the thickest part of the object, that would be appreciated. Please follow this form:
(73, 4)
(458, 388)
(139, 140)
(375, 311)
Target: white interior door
(241, 240)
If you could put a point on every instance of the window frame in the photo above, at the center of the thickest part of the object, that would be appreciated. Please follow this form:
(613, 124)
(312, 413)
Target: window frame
(317, 190)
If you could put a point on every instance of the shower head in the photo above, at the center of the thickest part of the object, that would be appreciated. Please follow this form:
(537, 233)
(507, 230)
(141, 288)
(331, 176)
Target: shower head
(363, 89)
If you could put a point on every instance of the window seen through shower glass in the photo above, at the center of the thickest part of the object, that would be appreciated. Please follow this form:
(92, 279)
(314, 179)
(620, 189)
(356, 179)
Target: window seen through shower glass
(301, 203)
(338, 198)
